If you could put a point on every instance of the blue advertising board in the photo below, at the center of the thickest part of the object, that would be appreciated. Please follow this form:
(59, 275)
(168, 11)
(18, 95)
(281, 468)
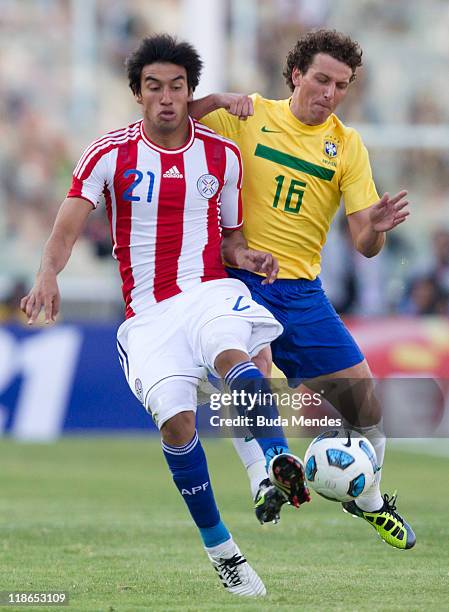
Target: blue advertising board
(64, 379)
(67, 379)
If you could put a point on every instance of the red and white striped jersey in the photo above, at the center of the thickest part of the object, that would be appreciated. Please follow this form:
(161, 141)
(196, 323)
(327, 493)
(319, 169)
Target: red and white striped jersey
(166, 207)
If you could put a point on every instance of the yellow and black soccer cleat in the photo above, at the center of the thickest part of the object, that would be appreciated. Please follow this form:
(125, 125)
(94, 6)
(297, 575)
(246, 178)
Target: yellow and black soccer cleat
(390, 525)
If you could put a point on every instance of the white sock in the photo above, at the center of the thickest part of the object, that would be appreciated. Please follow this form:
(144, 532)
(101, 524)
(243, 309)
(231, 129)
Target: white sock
(256, 473)
(252, 457)
(372, 499)
(223, 550)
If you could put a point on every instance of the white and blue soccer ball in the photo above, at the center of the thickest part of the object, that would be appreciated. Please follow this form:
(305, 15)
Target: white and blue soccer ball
(340, 466)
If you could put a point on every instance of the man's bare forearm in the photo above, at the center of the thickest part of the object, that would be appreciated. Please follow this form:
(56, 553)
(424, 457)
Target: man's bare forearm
(68, 226)
(368, 226)
(239, 105)
(233, 242)
(369, 242)
(56, 254)
(203, 106)
(236, 253)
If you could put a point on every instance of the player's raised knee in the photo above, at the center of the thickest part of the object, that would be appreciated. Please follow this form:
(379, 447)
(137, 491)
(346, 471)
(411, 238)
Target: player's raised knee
(228, 359)
(179, 429)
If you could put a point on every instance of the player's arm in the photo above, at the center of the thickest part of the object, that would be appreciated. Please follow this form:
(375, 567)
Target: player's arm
(68, 225)
(239, 105)
(235, 249)
(368, 216)
(236, 253)
(368, 226)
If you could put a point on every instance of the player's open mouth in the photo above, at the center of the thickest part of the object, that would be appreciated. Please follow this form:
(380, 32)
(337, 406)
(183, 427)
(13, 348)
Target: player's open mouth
(167, 115)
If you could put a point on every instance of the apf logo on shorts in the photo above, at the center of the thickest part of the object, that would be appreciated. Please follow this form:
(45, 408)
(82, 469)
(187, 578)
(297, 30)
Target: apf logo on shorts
(208, 185)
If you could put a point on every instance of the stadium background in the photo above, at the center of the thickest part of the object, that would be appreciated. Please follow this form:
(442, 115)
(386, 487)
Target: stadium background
(62, 84)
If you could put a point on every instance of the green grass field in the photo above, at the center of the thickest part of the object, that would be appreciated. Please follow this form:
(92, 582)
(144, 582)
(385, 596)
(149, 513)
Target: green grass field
(101, 519)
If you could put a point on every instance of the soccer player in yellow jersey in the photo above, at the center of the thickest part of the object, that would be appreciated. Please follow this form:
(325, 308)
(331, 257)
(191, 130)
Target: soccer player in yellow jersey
(300, 160)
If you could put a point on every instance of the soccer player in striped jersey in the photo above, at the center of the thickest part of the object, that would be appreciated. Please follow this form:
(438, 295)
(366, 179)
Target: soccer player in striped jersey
(172, 192)
(300, 160)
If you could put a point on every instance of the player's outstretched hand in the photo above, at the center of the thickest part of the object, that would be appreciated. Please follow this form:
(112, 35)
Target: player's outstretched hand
(258, 261)
(389, 212)
(44, 294)
(236, 104)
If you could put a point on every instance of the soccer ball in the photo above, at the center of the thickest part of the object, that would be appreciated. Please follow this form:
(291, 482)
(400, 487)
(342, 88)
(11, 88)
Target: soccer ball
(340, 466)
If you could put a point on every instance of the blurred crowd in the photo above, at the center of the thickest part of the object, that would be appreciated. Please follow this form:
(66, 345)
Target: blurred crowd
(394, 282)
(52, 105)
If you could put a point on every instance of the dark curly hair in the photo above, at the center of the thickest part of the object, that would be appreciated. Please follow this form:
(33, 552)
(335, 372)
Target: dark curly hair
(163, 48)
(333, 43)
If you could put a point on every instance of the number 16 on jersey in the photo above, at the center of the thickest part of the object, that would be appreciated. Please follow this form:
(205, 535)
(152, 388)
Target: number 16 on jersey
(293, 199)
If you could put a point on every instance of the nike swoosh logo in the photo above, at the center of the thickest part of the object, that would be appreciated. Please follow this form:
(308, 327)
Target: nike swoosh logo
(265, 130)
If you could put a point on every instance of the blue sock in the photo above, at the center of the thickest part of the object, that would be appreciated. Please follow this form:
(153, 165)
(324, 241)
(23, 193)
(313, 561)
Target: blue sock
(247, 377)
(188, 466)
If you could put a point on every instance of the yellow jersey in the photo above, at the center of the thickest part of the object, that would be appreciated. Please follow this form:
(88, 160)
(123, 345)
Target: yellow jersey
(294, 176)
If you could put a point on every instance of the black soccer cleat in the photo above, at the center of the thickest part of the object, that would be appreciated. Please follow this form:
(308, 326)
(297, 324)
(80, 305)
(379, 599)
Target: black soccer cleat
(286, 472)
(268, 502)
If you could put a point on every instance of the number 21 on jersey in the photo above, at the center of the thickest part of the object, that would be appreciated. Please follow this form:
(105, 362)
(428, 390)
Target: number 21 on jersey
(128, 193)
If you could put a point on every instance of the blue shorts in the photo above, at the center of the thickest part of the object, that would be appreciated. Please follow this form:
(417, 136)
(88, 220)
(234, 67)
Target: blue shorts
(314, 341)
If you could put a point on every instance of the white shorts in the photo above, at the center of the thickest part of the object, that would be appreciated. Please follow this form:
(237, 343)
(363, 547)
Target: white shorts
(167, 350)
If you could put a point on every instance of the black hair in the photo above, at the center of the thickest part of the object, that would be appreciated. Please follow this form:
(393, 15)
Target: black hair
(339, 46)
(163, 48)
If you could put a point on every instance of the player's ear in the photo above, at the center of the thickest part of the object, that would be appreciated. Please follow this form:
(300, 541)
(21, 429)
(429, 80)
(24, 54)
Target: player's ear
(296, 77)
(190, 96)
(138, 97)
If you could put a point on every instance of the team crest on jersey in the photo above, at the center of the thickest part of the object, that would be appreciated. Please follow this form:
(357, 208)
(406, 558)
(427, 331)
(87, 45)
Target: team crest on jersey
(208, 185)
(139, 389)
(330, 148)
